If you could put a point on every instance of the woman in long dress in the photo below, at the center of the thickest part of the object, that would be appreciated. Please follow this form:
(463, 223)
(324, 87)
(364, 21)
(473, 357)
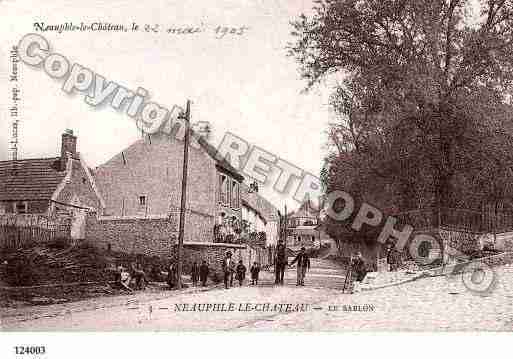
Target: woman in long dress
(171, 275)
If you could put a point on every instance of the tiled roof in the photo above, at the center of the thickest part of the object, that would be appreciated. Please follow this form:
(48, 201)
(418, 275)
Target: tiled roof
(258, 203)
(30, 179)
(221, 162)
(307, 209)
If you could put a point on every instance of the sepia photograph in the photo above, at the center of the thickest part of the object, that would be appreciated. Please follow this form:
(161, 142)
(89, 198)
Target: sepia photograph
(270, 166)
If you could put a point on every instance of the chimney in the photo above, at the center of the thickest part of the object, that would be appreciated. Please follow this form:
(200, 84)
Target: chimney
(68, 145)
(202, 129)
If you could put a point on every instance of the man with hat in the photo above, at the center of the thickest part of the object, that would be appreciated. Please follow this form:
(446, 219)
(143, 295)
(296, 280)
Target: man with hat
(280, 262)
(228, 266)
(303, 263)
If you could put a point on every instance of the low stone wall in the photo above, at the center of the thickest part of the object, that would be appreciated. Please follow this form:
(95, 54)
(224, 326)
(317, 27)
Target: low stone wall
(498, 260)
(152, 237)
(463, 242)
(492, 261)
(155, 236)
(508, 244)
(503, 241)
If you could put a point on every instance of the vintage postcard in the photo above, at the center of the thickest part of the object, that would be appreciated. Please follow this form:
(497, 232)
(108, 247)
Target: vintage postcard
(256, 166)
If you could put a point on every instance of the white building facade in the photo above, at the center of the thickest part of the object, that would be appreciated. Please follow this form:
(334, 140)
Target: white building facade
(259, 215)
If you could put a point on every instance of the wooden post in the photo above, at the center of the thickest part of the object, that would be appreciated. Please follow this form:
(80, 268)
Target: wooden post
(285, 228)
(495, 224)
(348, 274)
(319, 233)
(184, 195)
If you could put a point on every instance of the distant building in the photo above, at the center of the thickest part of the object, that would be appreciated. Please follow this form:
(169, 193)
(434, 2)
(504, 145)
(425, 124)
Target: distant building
(259, 215)
(55, 186)
(303, 227)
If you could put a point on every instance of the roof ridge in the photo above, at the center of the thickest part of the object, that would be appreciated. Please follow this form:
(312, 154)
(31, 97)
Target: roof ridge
(32, 178)
(31, 159)
(214, 154)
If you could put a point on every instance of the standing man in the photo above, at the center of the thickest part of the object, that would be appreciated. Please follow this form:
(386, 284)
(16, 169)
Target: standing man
(360, 269)
(195, 274)
(280, 262)
(303, 264)
(139, 276)
(389, 257)
(228, 269)
(171, 275)
(203, 273)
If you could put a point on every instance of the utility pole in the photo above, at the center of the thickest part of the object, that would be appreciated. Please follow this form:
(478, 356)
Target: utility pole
(286, 228)
(186, 119)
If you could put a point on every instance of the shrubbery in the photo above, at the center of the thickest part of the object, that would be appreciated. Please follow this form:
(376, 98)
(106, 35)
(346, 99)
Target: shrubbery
(19, 272)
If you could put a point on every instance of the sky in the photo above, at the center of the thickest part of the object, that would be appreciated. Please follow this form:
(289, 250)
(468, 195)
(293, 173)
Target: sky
(244, 84)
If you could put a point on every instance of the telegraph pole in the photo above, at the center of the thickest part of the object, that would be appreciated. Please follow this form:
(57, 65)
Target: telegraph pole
(186, 119)
(286, 226)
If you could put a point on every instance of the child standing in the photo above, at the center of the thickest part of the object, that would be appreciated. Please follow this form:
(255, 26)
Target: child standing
(203, 272)
(255, 270)
(195, 274)
(241, 272)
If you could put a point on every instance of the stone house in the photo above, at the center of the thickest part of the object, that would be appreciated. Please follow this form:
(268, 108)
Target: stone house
(141, 186)
(53, 187)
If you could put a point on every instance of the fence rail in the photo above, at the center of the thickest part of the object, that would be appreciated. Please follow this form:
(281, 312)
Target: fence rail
(20, 230)
(457, 219)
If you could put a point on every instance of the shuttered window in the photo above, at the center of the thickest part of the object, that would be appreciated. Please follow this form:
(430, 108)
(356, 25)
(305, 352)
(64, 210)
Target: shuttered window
(223, 189)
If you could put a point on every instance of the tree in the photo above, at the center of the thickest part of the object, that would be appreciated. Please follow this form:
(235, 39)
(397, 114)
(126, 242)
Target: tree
(423, 113)
(418, 78)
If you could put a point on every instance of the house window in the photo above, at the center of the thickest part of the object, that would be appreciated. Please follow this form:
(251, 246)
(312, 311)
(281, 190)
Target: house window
(142, 200)
(235, 195)
(221, 218)
(223, 189)
(229, 191)
(21, 207)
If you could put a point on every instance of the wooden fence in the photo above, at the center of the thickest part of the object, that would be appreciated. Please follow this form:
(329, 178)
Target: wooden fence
(457, 219)
(22, 230)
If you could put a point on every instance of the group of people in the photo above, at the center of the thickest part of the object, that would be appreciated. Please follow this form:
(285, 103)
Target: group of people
(303, 264)
(281, 262)
(136, 277)
(133, 278)
(198, 273)
(230, 269)
(357, 265)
